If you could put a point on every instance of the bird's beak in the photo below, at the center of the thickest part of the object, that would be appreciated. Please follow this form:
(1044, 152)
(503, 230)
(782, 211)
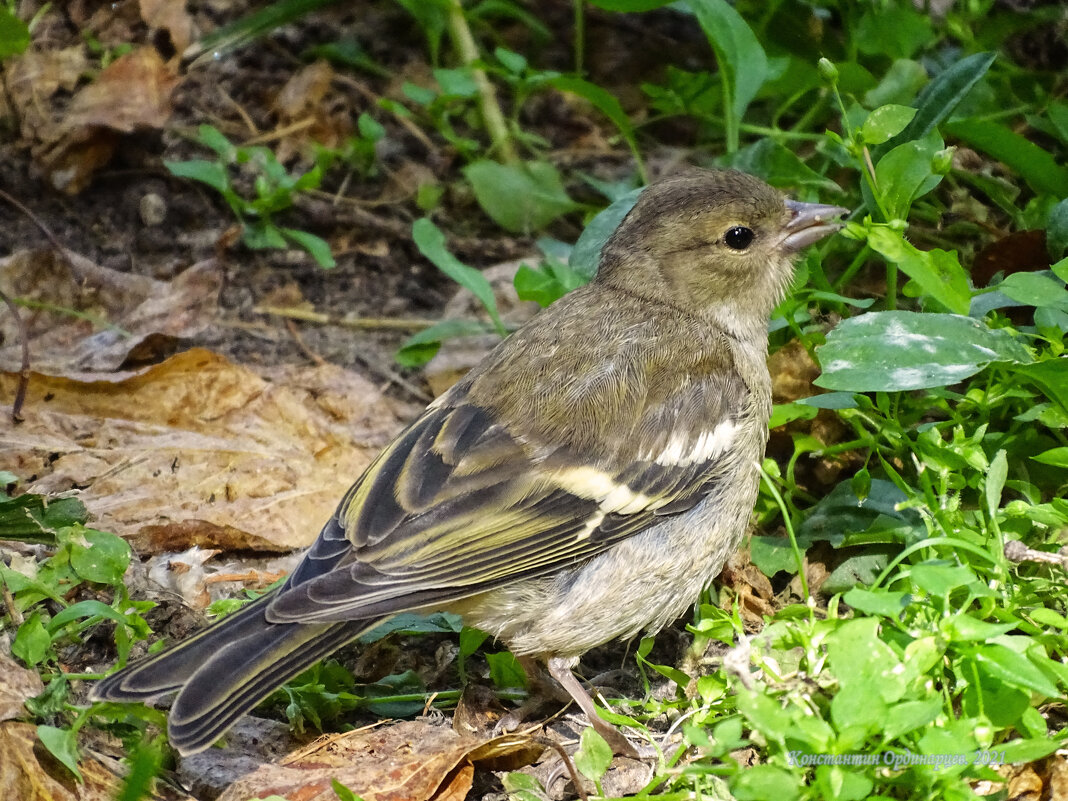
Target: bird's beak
(809, 223)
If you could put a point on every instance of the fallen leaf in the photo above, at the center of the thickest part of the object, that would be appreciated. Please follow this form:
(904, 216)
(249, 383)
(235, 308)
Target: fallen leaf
(143, 317)
(29, 773)
(172, 17)
(408, 761)
(132, 93)
(17, 684)
(199, 444)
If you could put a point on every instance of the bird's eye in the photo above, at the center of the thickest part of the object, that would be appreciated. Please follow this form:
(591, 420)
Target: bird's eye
(739, 237)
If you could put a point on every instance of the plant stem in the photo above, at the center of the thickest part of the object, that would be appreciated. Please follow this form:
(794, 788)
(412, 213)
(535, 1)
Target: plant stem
(580, 36)
(467, 50)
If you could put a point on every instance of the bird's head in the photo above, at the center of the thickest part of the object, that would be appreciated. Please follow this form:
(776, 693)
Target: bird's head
(718, 244)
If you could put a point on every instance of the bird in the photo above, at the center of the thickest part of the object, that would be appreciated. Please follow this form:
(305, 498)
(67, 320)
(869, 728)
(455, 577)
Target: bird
(583, 483)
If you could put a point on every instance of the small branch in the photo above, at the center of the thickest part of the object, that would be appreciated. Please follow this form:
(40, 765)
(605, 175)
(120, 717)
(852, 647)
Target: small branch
(24, 369)
(492, 116)
(358, 323)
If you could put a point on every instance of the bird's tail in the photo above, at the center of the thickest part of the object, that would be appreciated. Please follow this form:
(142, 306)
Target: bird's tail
(224, 671)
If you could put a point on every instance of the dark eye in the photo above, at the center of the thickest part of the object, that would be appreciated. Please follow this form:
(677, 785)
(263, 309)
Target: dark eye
(739, 237)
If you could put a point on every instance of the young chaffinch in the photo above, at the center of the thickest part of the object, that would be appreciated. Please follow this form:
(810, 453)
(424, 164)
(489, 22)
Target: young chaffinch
(583, 483)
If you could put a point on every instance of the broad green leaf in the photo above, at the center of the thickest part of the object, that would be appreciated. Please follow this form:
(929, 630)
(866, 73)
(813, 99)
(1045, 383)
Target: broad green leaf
(457, 82)
(937, 272)
(586, 255)
(905, 174)
(1035, 289)
(1014, 669)
(885, 122)
(940, 98)
(1051, 377)
(211, 173)
(962, 628)
(899, 84)
(315, 245)
(860, 659)
(896, 351)
(594, 755)
(738, 52)
(941, 579)
(519, 197)
(910, 715)
(32, 641)
(761, 782)
(779, 166)
(14, 34)
(842, 783)
(1036, 166)
(884, 603)
(99, 556)
(1018, 752)
(898, 31)
(431, 243)
(63, 745)
(505, 670)
(1057, 230)
(1058, 457)
(422, 346)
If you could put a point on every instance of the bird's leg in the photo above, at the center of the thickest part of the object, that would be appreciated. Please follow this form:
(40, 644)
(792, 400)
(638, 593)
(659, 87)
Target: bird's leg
(560, 669)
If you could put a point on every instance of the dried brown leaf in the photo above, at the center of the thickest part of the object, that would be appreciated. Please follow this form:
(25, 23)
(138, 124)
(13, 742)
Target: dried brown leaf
(147, 316)
(132, 93)
(200, 444)
(17, 684)
(409, 761)
(169, 16)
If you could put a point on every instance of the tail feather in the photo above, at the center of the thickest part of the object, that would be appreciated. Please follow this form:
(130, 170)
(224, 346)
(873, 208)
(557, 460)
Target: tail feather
(245, 672)
(224, 671)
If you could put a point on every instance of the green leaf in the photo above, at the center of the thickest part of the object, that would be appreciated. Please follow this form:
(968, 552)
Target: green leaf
(211, 173)
(906, 174)
(594, 756)
(1014, 669)
(738, 52)
(547, 285)
(342, 792)
(779, 166)
(1018, 752)
(941, 579)
(586, 255)
(898, 350)
(885, 122)
(1036, 166)
(962, 628)
(910, 715)
(940, 98)
(14, 34)
(32, 641)
(505, 670)
(63, 745)
(431, 243)
(937, 272)
(1035, 289)
(422, 346)
(995, 482)
(315, 245)
(1057, 231)
(519, 197)
(761, 782)
(458, 82)
(1058, 457)
(99, 556)
(893, 30)
(899, 84)
(881, 602)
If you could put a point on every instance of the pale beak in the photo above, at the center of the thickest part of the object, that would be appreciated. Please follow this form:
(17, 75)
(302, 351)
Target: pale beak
(809, 223)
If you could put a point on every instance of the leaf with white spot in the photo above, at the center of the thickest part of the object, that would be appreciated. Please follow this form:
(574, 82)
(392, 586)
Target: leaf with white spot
(898, 350)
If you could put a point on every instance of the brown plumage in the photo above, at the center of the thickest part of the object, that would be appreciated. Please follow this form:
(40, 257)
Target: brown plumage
(583, 483)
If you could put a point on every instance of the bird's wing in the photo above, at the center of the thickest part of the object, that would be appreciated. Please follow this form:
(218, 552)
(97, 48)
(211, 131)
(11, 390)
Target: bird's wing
(459, 504)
